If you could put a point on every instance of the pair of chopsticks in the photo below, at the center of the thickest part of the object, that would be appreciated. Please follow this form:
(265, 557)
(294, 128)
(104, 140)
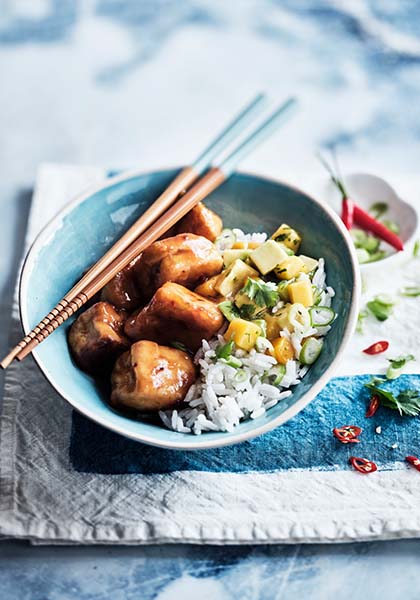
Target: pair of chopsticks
(167, 210)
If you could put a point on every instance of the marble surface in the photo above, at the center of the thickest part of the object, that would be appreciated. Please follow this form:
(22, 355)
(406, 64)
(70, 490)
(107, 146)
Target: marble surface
(124, 84)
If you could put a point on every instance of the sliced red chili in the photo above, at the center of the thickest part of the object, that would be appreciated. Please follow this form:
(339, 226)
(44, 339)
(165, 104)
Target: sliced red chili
(347, 210)
(413, 460)
(366, 221)
(347, 434)
(377, 347)
(363, 465)
(373, 406)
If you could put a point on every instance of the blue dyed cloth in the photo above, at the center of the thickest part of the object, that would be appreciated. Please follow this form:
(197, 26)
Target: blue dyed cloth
(304, 442)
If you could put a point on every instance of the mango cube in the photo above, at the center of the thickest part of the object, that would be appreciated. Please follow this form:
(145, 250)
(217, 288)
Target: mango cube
(268, 256)
(287, 236)
(207, 288)
(301, 291)
(232, 279)
(283, 350)
(243, 333)
(289, 268)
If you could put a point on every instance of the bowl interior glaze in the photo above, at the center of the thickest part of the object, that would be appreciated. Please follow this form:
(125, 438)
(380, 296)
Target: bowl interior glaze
(84, 229)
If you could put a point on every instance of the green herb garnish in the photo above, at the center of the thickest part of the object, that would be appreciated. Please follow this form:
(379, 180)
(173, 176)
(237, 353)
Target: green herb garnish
(407, 402)
(396, 364)
(381, 307)
(378, 209)
(416, 249)
(263, 294)
(246, 311)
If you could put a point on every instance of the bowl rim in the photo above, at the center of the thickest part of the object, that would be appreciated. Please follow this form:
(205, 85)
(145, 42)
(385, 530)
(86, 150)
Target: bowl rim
(203, 441)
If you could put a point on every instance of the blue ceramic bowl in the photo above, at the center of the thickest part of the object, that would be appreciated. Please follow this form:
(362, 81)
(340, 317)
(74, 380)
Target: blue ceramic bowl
(89, 225)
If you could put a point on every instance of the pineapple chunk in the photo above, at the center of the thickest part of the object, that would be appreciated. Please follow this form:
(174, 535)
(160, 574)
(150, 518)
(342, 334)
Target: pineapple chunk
(310, 263)
(288, 236)
(301, 291)
(229, 256)
(268, 256)
(243, 333)
(207, 288)
(289, 317)
(232, 279)
(289, 268)
(283, 350)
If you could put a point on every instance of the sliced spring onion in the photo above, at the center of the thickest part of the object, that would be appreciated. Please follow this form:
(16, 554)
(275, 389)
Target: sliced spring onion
(276, 374)
(299, 317)
(396, 364)
(317, 295)
(321, 316)
(228, 310)
(360, 318)
(379, 255)
(416, 249)
(225, 351)
(363, 256)
(225, 240)
(240, 376)
(385, 299)
(411, 291)
(311, 349)
(392, 226)
(381, 307)
(232, 361)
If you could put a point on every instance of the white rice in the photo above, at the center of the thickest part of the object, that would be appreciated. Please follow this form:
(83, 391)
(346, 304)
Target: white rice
(224, 396)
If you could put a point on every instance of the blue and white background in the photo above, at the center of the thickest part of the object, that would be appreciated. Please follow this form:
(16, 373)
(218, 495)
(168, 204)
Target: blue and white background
(144, 84)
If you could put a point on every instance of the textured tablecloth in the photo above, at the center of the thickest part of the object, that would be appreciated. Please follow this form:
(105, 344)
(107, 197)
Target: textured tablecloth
(64, 479)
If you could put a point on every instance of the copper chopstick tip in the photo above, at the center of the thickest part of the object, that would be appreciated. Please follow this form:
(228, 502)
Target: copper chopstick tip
(7, 360)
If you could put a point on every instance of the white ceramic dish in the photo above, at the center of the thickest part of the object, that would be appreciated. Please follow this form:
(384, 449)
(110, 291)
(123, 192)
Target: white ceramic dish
(366, 189)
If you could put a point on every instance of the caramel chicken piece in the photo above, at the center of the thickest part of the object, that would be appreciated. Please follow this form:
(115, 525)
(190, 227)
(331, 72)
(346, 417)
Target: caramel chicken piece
(201, 221)
(186, 259)
(175, 314)
(96, 338)
(122, 291)
(150, 377)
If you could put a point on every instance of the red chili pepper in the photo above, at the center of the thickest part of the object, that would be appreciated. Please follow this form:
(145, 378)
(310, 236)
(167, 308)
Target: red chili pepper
(373, 406)
(363, 465)
(413, 460)
(347, 434)
(347, 212)
(366, 221)
(377, 347)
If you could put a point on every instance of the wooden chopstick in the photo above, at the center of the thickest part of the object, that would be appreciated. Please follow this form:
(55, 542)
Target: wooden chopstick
(181, 182)
(208, 183)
